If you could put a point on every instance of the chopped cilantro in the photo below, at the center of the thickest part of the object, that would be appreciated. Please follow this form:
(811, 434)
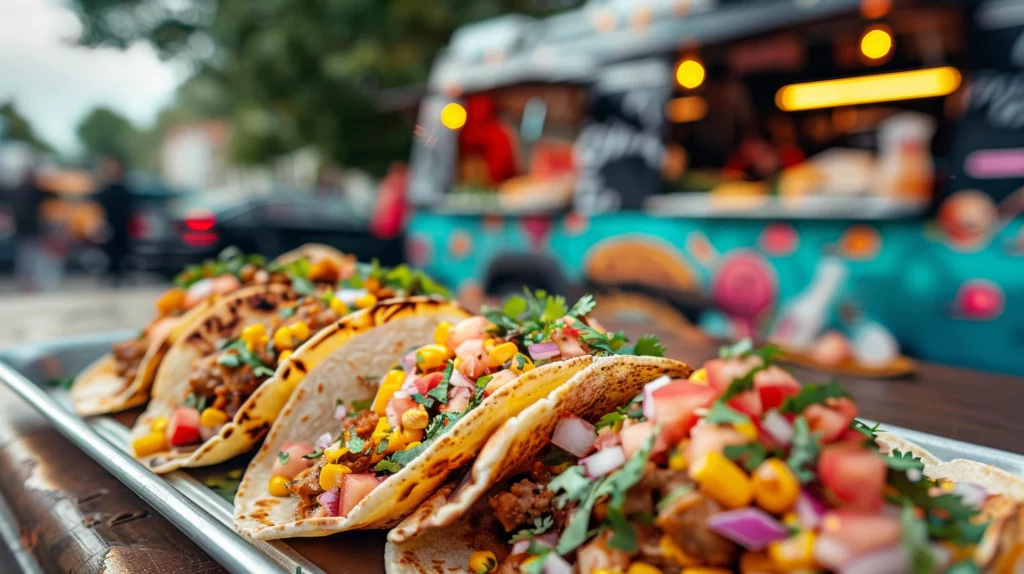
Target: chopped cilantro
(609, 343)
(314, 455)
(286, 312)
(751, 455)
(283, 457)
(742, 384)
(583, 307)
(419, 358)
(360, 405)
(229, 360)
(724, 414)
(356, 444)
(541, 524)
(736, 350)
(870, 432)
(195, 401)
(63, 382)
(903, 461)
(535, 565)
(440, 392)
(812, 394)
(571, 483)
(515, 306)
(404, 457)
(804, 450)
(382, 446)
(649, 346)
(388, 466)
(423, 400)
(964, 567)
(915, 539)
(630, 410)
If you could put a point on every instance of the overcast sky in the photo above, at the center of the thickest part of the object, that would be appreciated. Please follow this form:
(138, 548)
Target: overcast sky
(55, 83)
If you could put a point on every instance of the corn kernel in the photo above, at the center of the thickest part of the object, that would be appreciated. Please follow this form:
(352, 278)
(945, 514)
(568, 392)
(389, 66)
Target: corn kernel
(722, 480)
(381, 431)
(372, 284)
(642, 568)
(391, 383)
(677, 460)
(756, 563)
(775, 486)
(441, 332)
(432, 356)
(705, 570)
(790, 518)
(458, 362)
(339, 306)
(330, 475)
(283, 355)
(502, 353)
(334, 452)
(170, 301)
(253, 333)
(416, 418)
(277, 486)
(400, 440)
(151, 443)
(413, 445)
(368, 300)
(283, 339)
(300, 330)
(482, 562)
(602, 570)
(213, 418)
(677, 554)
(159, 424)
(747, 429)
(793, 553)
(521, 359)
(700, 376)
(488, 344)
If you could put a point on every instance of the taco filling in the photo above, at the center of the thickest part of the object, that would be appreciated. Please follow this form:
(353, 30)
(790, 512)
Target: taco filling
(228, 374)
(431, 389)
(737, 469)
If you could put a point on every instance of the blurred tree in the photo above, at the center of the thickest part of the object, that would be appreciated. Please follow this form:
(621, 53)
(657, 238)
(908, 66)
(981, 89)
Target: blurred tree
(17, 127)
(106, 133)
(300, 73)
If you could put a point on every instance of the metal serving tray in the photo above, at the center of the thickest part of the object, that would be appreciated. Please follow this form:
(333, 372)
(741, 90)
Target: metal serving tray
(184, 497)
(205, 516)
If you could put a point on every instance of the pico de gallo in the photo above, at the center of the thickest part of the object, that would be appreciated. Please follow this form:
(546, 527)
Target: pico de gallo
(430, 390)
(223, 379)
(737, 469)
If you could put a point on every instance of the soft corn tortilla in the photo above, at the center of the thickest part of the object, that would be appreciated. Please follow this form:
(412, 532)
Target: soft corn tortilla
(100, 390)
(309, 413)
(387, 329)
(608, 383)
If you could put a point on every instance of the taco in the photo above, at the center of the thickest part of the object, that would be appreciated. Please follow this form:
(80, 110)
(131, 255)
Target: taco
(383, 451)
(735, 469)
(211, 380)
(123, 378)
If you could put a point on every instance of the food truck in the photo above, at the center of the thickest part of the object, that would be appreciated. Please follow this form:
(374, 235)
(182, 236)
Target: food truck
(779, 169)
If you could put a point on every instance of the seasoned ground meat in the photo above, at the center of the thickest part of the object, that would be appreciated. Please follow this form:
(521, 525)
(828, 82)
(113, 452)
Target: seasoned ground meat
(314, 313)
(226, 388)
(663, 480)
(363, 423)
(596, 555)
(521, 504)
(684, 520)
(128, 356)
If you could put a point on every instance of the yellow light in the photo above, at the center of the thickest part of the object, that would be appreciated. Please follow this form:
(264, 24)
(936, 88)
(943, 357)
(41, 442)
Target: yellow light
(686, 109)
(928, 83)
(453, 116)
(876, 44)
(690, 74)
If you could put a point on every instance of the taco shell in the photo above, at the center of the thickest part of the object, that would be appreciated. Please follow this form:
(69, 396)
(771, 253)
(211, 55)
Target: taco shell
(309, 413)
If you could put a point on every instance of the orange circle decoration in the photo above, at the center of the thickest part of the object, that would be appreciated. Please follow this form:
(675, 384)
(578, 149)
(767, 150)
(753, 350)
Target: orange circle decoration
(460, 243)
(979, 300)
(419, 249)
(470, 294)
(861, 242)
(967, 219)
(778, 239)
(575, 224)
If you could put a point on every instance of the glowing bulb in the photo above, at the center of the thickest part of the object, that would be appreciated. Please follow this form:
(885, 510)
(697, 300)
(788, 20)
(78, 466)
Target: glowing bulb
(876, 44)
(453, 116)
(690, 74)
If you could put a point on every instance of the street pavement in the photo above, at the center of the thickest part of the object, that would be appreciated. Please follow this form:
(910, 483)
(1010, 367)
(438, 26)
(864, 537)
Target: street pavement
(81, 306)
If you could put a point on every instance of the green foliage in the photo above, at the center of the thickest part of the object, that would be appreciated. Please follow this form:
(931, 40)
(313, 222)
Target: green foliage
(106, 133)
(16, 127)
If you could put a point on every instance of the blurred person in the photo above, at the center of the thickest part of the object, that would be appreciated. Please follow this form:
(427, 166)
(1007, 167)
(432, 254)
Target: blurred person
(116, 200)
(26, 204)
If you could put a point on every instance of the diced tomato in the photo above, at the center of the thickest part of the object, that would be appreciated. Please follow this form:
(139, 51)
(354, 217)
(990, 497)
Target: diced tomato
(774, 385)
(426, 383)
(832, 419)
(294, 463)
(606, 437)
(722, 372)
(852, 475)
(354, 488)
(634, 436)
(862, 531)
(675, 405)
(850, 435)
(183, 428)
(708, 437)
(748, 403)
(397, 407)
(466, 330)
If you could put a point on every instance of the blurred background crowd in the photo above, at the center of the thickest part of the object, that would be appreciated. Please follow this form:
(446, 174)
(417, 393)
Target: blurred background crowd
(842, 177)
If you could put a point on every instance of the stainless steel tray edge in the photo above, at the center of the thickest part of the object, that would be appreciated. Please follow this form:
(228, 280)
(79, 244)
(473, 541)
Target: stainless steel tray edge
(949, 449)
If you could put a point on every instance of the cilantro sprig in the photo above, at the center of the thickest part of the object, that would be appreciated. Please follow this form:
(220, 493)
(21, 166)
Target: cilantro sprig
(230, 260)
(812, 394)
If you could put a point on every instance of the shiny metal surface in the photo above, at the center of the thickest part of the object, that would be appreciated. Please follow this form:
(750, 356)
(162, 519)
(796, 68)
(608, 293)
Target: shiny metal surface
(209, 533)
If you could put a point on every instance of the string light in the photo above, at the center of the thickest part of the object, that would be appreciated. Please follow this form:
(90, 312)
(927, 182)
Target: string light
(927, 83)
(453, 116)
(690, 74)
(876, 43)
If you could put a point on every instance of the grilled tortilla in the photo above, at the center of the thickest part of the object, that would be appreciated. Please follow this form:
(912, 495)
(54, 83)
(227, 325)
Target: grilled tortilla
(378, 334)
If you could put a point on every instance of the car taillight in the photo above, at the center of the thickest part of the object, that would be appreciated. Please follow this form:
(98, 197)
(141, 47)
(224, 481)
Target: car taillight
(138, 227)
(200, 220)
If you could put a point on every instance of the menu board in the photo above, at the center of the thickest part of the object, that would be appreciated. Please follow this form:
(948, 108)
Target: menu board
(988, 150)
(620, 150)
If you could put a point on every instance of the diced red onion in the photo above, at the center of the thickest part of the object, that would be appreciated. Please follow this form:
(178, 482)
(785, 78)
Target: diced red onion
(323, 441)
(574, 435)
(809, 510)
(972, 494)
(830, 552)
(458, 380)
(409, 384)
(604, 461)
(339, 412)
(649, 389)
(751, 528)
(555, 564)
(408, 361)
(542, 351)
(888, 560)
(777, 426)
(549, 539)
(520, 546)
(329, 500)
